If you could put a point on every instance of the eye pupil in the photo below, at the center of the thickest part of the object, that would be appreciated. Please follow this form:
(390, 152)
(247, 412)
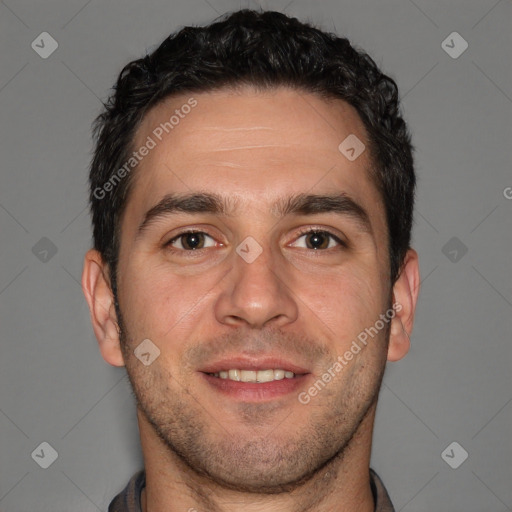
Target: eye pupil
(196, 239)
(192, 240)
(317, 241)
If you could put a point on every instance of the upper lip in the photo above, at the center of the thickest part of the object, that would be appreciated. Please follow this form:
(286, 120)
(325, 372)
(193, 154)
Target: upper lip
(253, 363)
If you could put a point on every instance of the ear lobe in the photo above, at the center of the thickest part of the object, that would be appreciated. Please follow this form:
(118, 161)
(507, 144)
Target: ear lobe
(405, 296)
(99, 296)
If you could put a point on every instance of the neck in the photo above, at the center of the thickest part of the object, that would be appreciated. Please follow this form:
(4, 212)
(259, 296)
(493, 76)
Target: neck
(341, 485)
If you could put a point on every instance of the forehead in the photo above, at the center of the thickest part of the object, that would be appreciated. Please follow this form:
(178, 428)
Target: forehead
(254, 145)
(246, 120)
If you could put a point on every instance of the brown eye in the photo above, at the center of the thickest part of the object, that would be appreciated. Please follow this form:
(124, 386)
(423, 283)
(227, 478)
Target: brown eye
(317, 239)
(190, 241)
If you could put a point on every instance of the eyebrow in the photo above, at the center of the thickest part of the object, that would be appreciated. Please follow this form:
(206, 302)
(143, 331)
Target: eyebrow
(215, 204)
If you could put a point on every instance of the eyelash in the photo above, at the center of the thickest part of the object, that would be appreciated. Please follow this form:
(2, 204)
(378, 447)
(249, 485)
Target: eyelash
(308, 231)
(301, 233)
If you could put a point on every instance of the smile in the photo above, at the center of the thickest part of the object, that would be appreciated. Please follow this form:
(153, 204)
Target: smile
(255, 376)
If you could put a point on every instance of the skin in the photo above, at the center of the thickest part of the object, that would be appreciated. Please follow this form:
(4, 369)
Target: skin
(204, 450)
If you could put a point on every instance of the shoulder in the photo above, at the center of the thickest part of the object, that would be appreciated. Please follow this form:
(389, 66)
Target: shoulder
(128, 500)
(380, 494)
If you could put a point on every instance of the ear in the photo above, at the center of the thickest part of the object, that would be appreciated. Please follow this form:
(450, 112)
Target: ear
(405, 296)
(99, 296)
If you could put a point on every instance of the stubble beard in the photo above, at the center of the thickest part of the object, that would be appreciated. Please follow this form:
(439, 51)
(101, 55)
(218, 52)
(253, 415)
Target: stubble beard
(254, 459)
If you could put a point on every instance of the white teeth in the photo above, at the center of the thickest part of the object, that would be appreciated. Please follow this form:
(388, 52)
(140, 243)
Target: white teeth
(265, 376)
(254, 376)
(278, 374)
(234, 375)
(248, 375)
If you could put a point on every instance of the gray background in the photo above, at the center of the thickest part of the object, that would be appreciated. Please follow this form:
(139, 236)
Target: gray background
(455, 384)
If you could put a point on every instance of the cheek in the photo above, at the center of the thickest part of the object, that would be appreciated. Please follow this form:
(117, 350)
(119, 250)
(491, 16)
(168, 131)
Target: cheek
(346, 302)
(157, 303)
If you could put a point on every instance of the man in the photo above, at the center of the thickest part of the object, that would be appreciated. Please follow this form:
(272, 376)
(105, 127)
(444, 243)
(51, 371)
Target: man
(252, 192)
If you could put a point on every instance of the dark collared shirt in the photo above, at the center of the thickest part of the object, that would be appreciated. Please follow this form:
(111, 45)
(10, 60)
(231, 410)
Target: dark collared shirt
(129, 499)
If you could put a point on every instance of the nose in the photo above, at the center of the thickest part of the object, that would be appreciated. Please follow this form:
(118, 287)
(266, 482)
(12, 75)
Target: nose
(256, 294)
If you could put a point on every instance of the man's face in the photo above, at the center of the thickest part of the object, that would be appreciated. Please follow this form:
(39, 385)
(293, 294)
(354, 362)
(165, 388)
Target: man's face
(212, 302)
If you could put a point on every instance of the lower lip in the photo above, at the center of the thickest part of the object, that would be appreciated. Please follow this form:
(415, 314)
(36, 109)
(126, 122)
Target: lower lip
(254, 392)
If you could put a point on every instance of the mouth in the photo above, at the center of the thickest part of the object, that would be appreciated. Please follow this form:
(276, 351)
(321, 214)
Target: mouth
(255, 380)
(255, 376)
